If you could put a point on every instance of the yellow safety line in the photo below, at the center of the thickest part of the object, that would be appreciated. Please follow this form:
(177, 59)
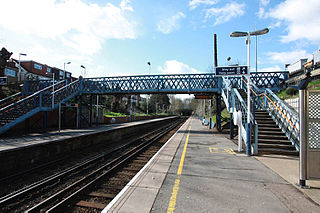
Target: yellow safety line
(183, 153)
(175, 189)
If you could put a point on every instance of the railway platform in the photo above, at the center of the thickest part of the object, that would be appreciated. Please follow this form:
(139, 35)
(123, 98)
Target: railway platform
(26, 151)
(200, 171)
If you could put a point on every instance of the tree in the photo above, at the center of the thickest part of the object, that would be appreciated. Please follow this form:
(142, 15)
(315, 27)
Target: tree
(159, 103)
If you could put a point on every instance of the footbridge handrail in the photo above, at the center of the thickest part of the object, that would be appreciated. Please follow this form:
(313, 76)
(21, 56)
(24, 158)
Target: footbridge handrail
(22, 109)
(67, 92)
(234, 103)
(285, 118)
(6, 101)
(174, 83)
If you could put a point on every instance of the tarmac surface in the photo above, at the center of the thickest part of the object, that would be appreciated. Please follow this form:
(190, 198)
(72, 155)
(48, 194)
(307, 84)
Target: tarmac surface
(199, 171)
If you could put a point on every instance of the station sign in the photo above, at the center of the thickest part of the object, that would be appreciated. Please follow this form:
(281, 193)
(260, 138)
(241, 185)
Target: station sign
(232, 70)
(3, 81)
(69, 105)
(203, 96)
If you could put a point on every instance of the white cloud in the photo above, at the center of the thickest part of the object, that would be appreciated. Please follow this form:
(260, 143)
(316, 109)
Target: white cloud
(176, 67)
(170, 24)
(79, 25)
(271, 69)
(287, 57)
(224, 14)
(195, 3)
(264, 2)
(301, 17)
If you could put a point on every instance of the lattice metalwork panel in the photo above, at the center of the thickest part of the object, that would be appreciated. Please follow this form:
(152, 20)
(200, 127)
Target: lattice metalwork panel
(185, 83)
(271, 80)
(314, 135)
(314, 105)
(314, 120)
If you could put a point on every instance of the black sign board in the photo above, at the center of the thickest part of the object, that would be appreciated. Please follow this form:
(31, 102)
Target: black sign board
(3, 81)
(238, 70)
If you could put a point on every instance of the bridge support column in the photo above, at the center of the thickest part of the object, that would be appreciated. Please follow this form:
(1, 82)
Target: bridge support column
(90, 111)
(79, 114)
(231, 126)
(218, 114)
(248, 131)
(27, 125)
(45, 120)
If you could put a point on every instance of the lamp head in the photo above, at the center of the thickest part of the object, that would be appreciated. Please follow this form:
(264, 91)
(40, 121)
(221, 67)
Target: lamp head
(260, 32)
(238, 34)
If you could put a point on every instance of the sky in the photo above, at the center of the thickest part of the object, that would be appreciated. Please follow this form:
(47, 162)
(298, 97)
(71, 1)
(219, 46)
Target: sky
(120, 37)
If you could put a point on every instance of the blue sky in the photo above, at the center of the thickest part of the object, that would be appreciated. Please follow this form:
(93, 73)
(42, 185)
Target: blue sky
(119, 37)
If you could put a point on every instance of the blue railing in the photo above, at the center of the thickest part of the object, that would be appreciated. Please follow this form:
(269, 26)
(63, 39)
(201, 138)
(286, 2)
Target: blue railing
(234, 103)
(42, 94)
(182, 83)
(285, 118)
(11, 99)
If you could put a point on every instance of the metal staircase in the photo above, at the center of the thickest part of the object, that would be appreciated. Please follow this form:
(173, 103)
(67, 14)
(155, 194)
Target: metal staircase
(43, 100)
(271, 140)
(274, 126)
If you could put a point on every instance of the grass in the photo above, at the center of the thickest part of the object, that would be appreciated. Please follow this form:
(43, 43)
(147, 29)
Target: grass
(225, 117)
(293, 93)
(116, 114)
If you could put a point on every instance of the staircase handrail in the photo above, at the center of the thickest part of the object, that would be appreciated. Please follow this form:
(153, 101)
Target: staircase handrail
(66, 91)
(254, 125)
(7, 99)
(226, 94)
(285, 118)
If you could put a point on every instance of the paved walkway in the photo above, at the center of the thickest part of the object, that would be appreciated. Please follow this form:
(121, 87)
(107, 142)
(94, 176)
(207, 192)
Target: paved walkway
(199, 171)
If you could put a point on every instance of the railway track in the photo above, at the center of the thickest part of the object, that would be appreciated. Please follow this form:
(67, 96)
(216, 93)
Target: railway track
(74, 188)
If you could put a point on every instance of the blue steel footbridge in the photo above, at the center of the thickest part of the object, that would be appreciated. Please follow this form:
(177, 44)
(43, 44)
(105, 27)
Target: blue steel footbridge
(45, 96)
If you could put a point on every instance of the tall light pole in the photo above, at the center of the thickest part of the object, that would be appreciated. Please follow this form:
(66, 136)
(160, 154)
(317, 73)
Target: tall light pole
(149, 63)
(64, 69)
(19, 75)
(84, 72)
(248, 34)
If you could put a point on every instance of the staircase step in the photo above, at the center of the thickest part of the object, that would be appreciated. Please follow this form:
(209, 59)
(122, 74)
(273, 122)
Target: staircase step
(276, 146)
(266, 122)
(275, 133)
(273, 137)
(270, 141)
(278, 151)
(266, 128)
(268, 125)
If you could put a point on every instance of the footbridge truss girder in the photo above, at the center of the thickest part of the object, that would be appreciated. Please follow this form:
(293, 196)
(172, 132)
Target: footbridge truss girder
(149, 84)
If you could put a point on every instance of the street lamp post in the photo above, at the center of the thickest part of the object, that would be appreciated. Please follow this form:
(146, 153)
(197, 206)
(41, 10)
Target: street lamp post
(64, 69)
(248, 34)
(19, 75)
(84, 72)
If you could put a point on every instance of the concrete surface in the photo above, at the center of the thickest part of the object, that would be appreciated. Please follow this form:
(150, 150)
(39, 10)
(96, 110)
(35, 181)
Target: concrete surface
(214, 179)
(140, 193)
(288, 168)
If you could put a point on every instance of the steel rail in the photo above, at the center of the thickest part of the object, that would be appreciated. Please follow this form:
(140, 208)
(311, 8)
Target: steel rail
(17, 194)
(12, 197)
